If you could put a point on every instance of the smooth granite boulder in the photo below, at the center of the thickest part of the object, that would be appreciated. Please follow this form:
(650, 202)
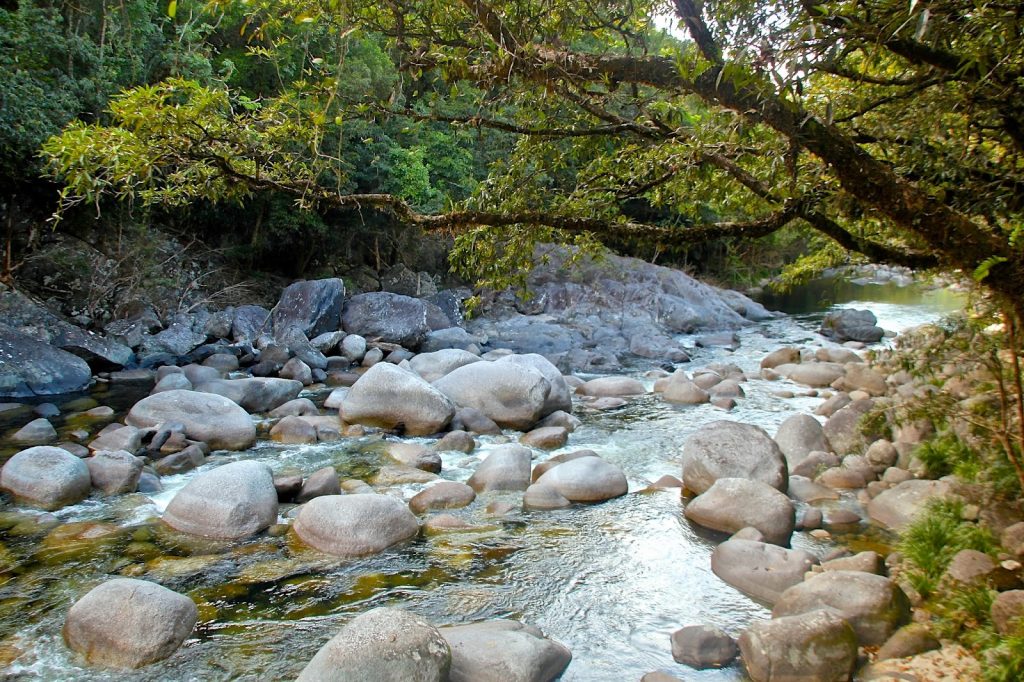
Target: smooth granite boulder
(725, 449)
(355, 525)
(230, 502)
(46, 477)
(206, 417)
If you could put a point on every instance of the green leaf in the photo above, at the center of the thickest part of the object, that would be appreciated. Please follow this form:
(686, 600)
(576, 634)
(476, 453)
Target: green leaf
(982, 271)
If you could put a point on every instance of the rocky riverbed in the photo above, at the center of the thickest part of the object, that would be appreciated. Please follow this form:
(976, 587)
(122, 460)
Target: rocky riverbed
(296, 469)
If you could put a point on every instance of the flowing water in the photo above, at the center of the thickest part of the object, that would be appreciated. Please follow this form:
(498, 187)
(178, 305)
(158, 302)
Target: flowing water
(611, 581)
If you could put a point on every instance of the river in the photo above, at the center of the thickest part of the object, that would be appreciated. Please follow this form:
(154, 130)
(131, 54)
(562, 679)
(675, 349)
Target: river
(611, 581)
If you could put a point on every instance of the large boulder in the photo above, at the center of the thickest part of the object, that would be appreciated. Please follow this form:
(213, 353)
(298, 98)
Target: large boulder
(759, 569)
(250, 323)
(355, 525)
(206, 417)
(177, 340)
(507, 467)
(230, 502)
(504, 651)
(45, 477)
(30, 367)
(703, 646)
(512, 395)
(433, 366)
(844, 430)
(874, 605)
(798, 436)
(382, 645)
(313, 307)
(388, 317)
(895, 508)
(114, 472)
(586, 479)
(724, 449)
(256, 394)
(126, 623)
(388, 396)
(442, 495)
(814, 374)
(852, 325)
(817, 647)
(732, 504)
(612, 387)
(560, 396)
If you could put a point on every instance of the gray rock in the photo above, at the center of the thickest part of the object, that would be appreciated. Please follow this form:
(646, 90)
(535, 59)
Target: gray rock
(355, 525)
(300, 347)
(875, 606)
(895, 508)
(433, 366)
(504, 651)
(474, 421)
(724, 449)
(798, 436)
(562, 419)
(457, 441)
(250, 323)
(30, 367)
(512, 395)
(453, 337)
(45, 477)
(881, 455)
(542, 497)
(125, 438)
(843, 429)
(814, 463)
(414, 455)
(545, 437)
(297, 370)
(172, 382)
(321, 482)
(209, 418)
(1008, 611)
(126, 623)
(230, 502)
(314, 307)
(703, 646)
(36, 432)
(909, 640)
(559, 395)
(612, 387)
(299, 407)
(353, 347)
(180, 462)
(388, 317)
(256, 394)
(731, 504)
(818, 646)
(178, 339)
(507, 467)
(382, 645)
(442, 495)
(586, 479)
(758, 569)
(114, 472)
(388, 396)
(852, 325)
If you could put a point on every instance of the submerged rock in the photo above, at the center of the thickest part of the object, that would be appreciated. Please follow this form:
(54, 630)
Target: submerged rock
(126, 623)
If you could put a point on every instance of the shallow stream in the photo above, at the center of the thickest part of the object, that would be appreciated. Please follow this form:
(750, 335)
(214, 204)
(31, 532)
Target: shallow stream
(610, 581)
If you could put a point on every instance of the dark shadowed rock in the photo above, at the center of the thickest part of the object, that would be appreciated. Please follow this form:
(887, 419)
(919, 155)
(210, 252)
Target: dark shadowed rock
(313, 306)
(382, 645)
(250, 323)
(126, 623)
(256, 394)
(504, 651)
(852, 325)
(388, 317)
(30, 367)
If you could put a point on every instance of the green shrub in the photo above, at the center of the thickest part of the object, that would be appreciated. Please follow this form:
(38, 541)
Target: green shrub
(934, 538)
